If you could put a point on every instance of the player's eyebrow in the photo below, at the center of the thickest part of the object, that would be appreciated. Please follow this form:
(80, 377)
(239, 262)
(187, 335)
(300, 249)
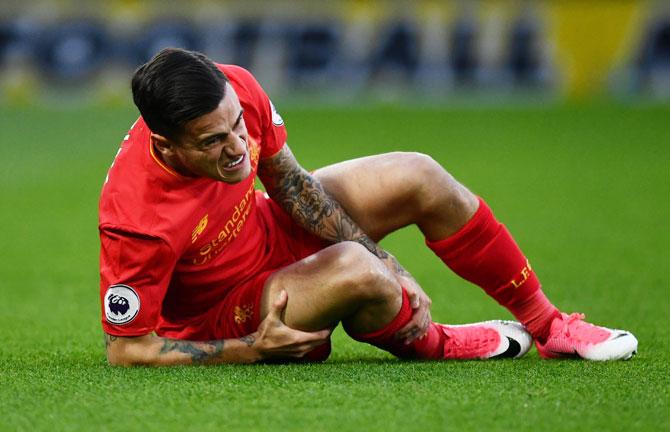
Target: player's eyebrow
(239, 118)
(222, 135)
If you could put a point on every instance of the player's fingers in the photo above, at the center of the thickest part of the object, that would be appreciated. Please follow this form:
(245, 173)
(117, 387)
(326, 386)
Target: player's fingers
(429, 318)
(324, 334)
(404, 332)
(424, 311)
(414, 297)
(407, 329)
(426, 316)
(315, 337)
(426, 323)
(409, 332)
(294, 339)
(313, 344)
(424, 327)
(414, 335)
(417, 327)
(278, 305)
(301, 349)
(297, 349)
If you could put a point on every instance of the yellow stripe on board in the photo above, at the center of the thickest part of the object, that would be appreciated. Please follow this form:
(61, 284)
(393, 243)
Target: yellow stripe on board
(591, 38)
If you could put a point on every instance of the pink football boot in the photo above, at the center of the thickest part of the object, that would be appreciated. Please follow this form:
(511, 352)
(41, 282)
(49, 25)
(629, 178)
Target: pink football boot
(485, 340)
(571, 336)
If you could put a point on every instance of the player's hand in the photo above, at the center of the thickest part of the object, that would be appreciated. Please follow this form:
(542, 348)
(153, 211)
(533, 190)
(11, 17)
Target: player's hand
(274, 339)
(417, 327)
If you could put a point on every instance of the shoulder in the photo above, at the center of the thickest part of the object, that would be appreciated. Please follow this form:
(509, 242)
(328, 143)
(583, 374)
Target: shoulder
(133, 193)
(240, 76)
(124, 181)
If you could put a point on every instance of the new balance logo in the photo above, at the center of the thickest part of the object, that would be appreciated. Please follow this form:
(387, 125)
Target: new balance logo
(199, 228)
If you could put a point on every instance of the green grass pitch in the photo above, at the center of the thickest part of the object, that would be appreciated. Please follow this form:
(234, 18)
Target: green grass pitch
(585, 190)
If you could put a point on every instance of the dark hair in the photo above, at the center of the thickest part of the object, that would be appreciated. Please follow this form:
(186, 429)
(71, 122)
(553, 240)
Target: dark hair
(175, 87)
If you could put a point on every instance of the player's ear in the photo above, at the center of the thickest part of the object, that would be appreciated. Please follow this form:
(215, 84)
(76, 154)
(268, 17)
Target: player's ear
(162, 144)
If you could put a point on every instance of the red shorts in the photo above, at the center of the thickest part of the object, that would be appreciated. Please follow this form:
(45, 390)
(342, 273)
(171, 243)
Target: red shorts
(238, 314)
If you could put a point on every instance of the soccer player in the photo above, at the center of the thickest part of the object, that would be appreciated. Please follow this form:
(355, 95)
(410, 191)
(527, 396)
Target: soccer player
(198, 267)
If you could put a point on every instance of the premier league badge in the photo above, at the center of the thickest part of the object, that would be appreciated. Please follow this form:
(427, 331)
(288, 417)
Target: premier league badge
(121, 304)
(276, 118)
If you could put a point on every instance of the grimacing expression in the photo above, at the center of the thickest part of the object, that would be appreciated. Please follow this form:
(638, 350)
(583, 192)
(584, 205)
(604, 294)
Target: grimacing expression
(213, 145)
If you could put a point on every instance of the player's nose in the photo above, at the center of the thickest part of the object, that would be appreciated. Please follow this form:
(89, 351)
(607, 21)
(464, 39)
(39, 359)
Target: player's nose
(236, 147)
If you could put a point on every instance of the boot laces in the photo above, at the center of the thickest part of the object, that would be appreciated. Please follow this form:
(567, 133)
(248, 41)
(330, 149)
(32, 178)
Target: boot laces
(569, 320)
(451, 335)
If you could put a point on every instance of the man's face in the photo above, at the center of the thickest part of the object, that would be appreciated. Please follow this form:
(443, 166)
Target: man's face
(213, 145)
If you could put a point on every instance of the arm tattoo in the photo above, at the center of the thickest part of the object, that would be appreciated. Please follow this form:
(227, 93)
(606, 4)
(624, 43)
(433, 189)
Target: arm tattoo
(249, 340)
(303, 197)
(200, 352)
(109, 339)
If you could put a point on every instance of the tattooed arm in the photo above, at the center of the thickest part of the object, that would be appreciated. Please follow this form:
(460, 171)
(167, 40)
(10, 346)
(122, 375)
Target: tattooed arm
(303, 197)
(273, 339)
(152, 350)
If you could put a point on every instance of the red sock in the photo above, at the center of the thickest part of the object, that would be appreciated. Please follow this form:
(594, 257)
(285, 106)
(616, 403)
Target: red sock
(484, 253)
(430, 347)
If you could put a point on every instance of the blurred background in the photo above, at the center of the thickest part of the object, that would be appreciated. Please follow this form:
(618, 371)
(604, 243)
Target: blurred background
(341, 51)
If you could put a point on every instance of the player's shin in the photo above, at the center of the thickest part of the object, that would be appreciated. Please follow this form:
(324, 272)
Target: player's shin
(430, 347)
(484, 253)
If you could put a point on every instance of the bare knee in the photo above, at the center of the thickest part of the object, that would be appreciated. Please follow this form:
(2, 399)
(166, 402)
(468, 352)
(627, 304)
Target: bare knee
(348, 274)
(431, 185)
(363, 275)
(439, 202)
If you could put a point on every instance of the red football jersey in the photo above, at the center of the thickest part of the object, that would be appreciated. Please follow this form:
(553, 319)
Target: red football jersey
(174, 246)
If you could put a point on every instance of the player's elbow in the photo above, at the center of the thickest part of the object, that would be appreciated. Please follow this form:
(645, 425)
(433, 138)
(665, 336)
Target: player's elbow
(116, 359)
(126, 359)
(127, 352)
(119, 356)
(116, 356)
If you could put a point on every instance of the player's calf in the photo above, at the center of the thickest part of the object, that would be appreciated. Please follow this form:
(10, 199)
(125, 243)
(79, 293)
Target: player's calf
(491, 339)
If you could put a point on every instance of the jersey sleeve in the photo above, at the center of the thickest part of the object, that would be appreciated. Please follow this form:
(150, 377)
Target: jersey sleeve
(274, 131)
(135, 272)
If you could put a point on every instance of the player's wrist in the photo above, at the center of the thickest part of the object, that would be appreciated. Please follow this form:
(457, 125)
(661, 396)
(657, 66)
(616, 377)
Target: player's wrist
(253, 352)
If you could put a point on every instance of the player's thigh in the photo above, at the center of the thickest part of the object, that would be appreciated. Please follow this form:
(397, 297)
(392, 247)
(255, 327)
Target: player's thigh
(238, 314)
(379, 192)
(329, 286)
